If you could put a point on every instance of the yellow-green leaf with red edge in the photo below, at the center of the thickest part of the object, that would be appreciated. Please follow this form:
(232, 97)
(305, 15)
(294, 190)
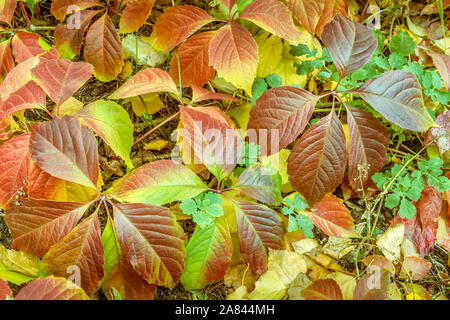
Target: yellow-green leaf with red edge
(112, 123)
(51, 288)
(30, 96)
(7, 9)
(146, 81)
(66, 150)
(332, 217)
(194, 61)
(14, 164)
(397, 95)
(26, 45)
(238, 63)
(259, 228)
(78, 254)
(5, 291)
(273, 16)
(60, 8)
(280, 116)
(68, 41)
(176, 24)
(6, 59)
(118, 272)
(367, 147)
(316, 164)
(103, 49)
(202, 94)
(19, 76)
(61, 78)
(37, 224)
(159, 183)
(135, 14)
(325, 289)
(208, 255)
(313, 15)
(152, 241)
(219, 152)
(374, 285)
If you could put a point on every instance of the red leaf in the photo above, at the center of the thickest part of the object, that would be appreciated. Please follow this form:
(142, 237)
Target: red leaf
(259, 228)
(36, 225)
(26, 45)
(147, 81)
(176, 24)
(30, 96)
(326, 289)
(332, 217)
(14, 164)
(5, 291)
(61, 78)
(51, 288)
(19, 76)
(316, 165)
(373, 286)
(152, 241)
(380, 262)
(7, 9)
(273, 16)
(78, 253)
(422, 228)
(367, 147)
(135, 15)
(68, 40)
(60, 8)
(239, 62)
(416, 267)
(214, 142)
(103, 49)
(315, 14)
(194, 61)
(66, 150)
(6, 59)
(442, 64)
(201, 94)
(350, 44)
(280, 116)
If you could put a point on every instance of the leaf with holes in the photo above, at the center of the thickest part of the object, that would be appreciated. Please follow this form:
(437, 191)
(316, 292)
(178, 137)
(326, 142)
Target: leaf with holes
(367, 147)
(66, 150)
(397, 95)
(147, 81)
(176, 24)
(26, 45)
(273, 16)
(326, 289)
(135, 14)
(194, 61)
(259, 228)
(350, 44)
(208, 255)
(152, 241)
(119, 274)
(237, 64)
(113, 124)
(159, 183)
(316, 164)
(61, 78)
(103, 49)
(280, 116)
(36, 225)
(214, 142)
(51, 288)
(60, 8)
(14, 165)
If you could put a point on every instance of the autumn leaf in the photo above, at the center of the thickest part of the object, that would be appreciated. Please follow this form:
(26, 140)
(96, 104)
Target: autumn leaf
(60, 8)
(7, 9)
(326, 289)
(5, 291)
(51, 288)
(373, 286)
(19, 76)
(30, 96)
(6, 59)
(26, 45)
(442, 64)
(135, 14)
(416, 268)
(201, 94)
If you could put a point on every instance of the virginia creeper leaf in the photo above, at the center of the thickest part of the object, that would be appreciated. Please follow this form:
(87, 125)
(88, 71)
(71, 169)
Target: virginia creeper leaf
(350, 44)
(26, 45)
(280, 116)
(135, 14)
(113, 124)
(208, 255)
(30, 96)
(273, 16)
(152, 241)
(19, 76)
(316, 165)
(51, 288)
(159, 182)
(397, 95)
(66, 150)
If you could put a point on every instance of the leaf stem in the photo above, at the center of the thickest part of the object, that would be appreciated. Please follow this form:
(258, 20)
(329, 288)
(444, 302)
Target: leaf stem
(25, 13)
(157, 127)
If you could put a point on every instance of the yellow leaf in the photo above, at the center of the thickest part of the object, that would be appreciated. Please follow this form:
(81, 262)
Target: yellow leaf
(241, 115)
(390, 242)
(346, 282)
(127, 70)
(157, 145)
(268, 287)
(394, 292)
(69, 107)
(270, 48)
(19, 261)
(239, 294)
(279, 162)
(297, 286)
(150, 103)
(305, 245)
(337, 247)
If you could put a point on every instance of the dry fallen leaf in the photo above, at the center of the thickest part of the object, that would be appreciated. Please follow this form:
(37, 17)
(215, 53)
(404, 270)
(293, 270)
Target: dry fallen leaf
(390, 242)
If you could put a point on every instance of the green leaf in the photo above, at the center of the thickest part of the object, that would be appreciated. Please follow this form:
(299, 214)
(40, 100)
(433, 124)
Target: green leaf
(292, 226)
(403, 44)
(258, 88)
(396, 60)
(299, 50)
(392, 200)
(189, 206)
(306, 224)
(204, 208)
(113, 124)
(274, 80)
(242, 4)
(407, 209)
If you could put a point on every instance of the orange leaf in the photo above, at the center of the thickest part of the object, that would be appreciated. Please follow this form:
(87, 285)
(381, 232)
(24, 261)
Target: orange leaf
(6, 59)
(60, 8)
(201, 94)
(28, 97)
(135, 15)
(7, 8)
(326, 289)
(5, 291)
(51, 288)
(19, 76)
(373, 286)
(416, 267)
(26, 45)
